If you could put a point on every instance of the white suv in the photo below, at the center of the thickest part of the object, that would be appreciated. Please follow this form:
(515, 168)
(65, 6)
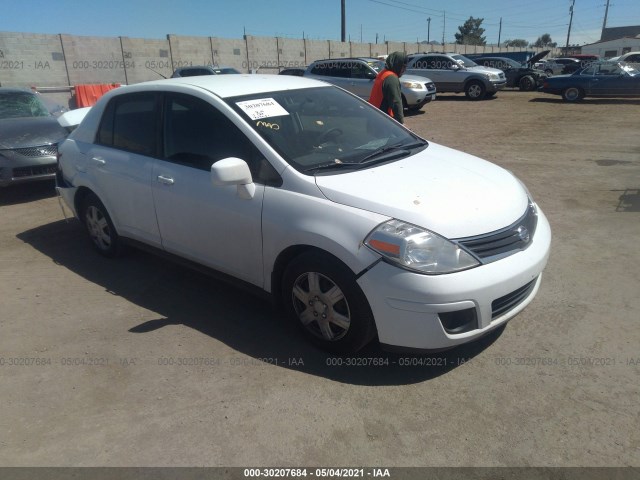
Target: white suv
(357, 226)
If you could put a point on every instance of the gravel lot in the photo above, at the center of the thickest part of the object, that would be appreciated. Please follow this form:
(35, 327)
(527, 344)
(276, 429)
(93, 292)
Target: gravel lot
(136, 362)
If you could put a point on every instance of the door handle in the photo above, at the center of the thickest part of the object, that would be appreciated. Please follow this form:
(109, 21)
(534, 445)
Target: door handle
(165, 180)
(99, 160)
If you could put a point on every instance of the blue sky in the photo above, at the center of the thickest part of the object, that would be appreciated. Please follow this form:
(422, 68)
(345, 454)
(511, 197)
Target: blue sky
(389, 19)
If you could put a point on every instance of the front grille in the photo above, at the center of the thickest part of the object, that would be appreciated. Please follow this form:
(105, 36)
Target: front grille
(34, 152)
(499, 244)
(510, 301)
(22, 172)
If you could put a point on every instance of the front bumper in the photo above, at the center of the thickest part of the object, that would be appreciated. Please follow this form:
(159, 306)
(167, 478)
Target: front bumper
(495, 86)
(410, 308)
(416, 97)
(17, 169)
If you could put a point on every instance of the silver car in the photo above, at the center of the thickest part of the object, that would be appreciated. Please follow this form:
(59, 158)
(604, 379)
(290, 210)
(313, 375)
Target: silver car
(554, 66)
(456, 73)
(29, 135)
(356, 75)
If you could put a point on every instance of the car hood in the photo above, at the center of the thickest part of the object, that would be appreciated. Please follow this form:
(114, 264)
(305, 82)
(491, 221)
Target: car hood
(537, 57)
(414, 78)
(449, 192)
(29, 132)
(483, 69)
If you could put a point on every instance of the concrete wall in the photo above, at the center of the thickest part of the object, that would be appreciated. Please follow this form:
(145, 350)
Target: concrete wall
(54, 63)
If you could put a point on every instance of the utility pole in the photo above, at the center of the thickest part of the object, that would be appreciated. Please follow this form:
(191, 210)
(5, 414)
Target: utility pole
(428, 29)
(573, 2)
(604, 24)
(500, 32)
(376, 38)
(444, 25)
(360, 33)
(344, 22)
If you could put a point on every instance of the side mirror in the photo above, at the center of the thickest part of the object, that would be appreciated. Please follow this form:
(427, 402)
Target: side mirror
(234, 171)
(455, 67)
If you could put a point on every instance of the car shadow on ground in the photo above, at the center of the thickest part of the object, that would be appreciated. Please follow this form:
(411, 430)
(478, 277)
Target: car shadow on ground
(588, 101)
(245, 322)
(629, 201)
(27, 192)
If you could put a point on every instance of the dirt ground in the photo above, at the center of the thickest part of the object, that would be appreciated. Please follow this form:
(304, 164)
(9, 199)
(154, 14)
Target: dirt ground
(136, 362)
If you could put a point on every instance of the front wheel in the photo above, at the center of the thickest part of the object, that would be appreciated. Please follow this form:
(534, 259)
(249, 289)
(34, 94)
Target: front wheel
(321, 295)
(572, 94)
(527, 83)
(475, 91)
(99, 226)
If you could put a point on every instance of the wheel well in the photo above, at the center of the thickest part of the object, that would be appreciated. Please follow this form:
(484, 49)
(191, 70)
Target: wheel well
(81, 194)
(472, 81)
(280, 265)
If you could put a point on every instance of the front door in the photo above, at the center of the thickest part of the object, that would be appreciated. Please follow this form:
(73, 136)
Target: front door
(208, 224)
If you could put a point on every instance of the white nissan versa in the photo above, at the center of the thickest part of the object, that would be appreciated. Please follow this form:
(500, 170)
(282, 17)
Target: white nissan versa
(357, 226)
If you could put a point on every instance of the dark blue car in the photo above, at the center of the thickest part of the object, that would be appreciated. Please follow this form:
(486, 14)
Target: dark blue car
(603, 79)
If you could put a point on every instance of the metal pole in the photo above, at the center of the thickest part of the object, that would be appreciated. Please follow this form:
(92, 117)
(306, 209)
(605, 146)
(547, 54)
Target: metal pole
(344, 23)
(573, 2)
(500, 31)
(428, 30)
(604, 24)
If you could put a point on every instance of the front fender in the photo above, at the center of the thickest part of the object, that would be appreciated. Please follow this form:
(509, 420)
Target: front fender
(292, 219)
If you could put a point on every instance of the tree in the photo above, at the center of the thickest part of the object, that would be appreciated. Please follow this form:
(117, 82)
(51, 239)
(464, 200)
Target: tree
(471, 32)
(544, 41)
(517, 42)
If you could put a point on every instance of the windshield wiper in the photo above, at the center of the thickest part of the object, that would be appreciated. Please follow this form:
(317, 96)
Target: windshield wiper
(334, 164)
(399, 149)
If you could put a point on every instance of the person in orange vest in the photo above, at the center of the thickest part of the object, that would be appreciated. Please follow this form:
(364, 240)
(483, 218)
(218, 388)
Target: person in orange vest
(385, 93)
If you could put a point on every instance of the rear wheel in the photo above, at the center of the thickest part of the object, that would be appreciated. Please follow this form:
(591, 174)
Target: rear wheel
(526, 83)
(321, 295)
(475, 91)
(572, 94)
(99, 226)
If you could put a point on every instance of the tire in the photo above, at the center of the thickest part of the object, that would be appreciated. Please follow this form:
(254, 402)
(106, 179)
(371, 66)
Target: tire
(572, 94)
(475, 90)
(526, 83)
(99, 226)
(321, 296)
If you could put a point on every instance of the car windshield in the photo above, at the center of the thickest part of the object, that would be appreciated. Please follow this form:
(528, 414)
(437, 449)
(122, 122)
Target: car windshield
(377, 65)
(325, 129)
(499, 62)
(464, 60)
(21, 104)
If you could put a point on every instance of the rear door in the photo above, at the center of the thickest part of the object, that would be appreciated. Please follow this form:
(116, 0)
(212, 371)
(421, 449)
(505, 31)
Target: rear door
(120, 163)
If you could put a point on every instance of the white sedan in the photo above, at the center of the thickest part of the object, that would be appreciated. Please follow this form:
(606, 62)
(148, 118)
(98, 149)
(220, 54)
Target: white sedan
(355, 225)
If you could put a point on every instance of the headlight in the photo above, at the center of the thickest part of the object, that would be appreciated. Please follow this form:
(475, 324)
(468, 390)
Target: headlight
(415, 248)
(415, 85)
(493, 76)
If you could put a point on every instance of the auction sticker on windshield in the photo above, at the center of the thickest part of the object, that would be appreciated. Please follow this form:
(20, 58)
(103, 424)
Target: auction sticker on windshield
(262, 108)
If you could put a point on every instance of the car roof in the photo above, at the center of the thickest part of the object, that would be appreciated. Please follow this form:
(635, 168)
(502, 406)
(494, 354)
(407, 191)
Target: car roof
(226, 86)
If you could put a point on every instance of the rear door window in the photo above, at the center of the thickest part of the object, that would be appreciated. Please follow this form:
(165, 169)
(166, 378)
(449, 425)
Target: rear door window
(130, 122)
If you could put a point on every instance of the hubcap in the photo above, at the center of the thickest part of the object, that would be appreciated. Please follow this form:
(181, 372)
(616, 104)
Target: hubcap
(474, 91)
(321, 306)
(98, 228)
(572, 94)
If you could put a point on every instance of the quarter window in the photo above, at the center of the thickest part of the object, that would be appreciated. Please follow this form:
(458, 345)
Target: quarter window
(130, 123)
